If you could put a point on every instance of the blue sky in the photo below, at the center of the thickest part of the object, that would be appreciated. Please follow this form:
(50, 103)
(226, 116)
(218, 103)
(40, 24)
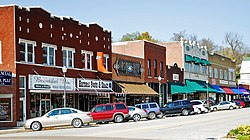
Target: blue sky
(161, 18)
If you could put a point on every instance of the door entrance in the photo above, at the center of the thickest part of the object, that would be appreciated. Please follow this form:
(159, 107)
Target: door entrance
(44, 106)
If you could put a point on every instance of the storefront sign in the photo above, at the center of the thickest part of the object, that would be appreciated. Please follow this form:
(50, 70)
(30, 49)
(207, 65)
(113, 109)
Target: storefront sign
(5, 109)
(94, 84)
(213, 81)
(176, 77)
(5, 78)
(224, 82)
(128, 68)
(232, 83)
(50, 82)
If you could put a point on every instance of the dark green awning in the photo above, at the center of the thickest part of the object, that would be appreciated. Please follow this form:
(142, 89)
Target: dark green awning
(205, 62)
(197, 60)
(200, 86)
(188, 58)
(179, 88)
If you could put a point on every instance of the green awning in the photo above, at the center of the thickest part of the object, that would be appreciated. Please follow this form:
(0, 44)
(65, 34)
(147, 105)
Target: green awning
(197, 60)
(205, 62)
(188, 58)
(200, 86)
(179, 88)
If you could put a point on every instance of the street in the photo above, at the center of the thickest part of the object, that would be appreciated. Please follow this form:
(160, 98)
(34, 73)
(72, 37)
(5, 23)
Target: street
(212, 125)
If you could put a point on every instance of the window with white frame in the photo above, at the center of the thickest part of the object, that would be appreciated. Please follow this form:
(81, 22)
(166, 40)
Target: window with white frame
(87, 59)
(0, 52)
(234, 76)
(105, 62)
(230, 75)
(221, 74)
(204, 69)
(188, 66)
(68, 57)
(196, 68)
(49, 54)
(27, 51)
(225, 74)
(215, 73)
(210, 72)
(22, 86)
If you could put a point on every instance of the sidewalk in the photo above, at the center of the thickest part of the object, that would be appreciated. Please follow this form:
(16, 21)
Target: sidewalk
(8, 130)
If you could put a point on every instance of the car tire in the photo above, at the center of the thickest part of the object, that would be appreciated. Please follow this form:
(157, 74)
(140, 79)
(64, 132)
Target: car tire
(118, 118)
(199, 111)
(77, 123)
(36, 126)
(151, 115)
(160, 115)
(231, 107)
(206, 110)
(215, 109)
(136, 117)
(184, 112)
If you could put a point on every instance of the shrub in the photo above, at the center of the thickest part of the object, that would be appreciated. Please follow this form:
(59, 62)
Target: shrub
(242, 132)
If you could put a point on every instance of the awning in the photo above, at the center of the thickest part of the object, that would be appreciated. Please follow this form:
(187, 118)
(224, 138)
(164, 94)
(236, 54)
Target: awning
(197, 60)
(179, 88)
(205, 62)
(188, 58)
(137, 89)
(219, 89)
(199, 86)
(227, 90)
(236, 90)
(244, 91)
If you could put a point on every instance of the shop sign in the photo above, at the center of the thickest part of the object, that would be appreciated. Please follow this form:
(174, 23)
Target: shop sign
(5, 78)
(94, 84)
(232, 83)
(50, 82)
(223, 82)
(176, 77)
(5, 109)
(128, 68)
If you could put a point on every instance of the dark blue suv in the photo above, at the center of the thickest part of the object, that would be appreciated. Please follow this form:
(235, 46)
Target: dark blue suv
(152, 109)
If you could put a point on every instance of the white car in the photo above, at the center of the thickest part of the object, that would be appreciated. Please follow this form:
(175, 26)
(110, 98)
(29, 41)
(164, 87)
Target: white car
(198, 106)
(136, 113)
(59, 117)
(223, 105)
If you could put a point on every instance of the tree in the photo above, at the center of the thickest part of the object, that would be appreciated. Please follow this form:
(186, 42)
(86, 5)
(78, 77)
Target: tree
(138, 36)
(179, 35)
(211, 47)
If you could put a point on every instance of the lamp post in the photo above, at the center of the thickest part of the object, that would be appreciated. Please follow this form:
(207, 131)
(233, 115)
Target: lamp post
(161, 98)
(208, 102)
(64, 70)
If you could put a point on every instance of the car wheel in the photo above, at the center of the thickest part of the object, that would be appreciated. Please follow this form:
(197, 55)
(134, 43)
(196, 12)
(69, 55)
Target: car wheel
(206, 110)
(215, 109)
(199, 111)
(160, 115)
(231, 108)
(136, 117)
(184, 112)
(77, 123)
(36, 126)
(151, 115)
(118, 118)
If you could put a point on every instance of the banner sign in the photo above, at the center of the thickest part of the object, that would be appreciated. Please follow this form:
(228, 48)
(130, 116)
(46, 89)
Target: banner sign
(50, 82)
(94, 84)
(128, 68)
(5, 78)
(5, 109)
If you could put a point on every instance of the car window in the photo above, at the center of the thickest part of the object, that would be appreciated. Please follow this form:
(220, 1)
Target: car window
(144, 106)
(196, 103)
(73, 111)
(65, 111)
(131, 108)
(53, 113)
(176, 104)
(152, 105)
(227, 102)
(169, 105)
(185, 103)
(99, 108)
(120, 106)
(109, 107)
(138, 106)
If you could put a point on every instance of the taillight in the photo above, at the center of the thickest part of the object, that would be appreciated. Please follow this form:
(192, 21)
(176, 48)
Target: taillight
(89, 114)
(145, 110)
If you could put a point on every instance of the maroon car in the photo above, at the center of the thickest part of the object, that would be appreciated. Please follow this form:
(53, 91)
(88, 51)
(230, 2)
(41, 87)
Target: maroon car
(116, 112)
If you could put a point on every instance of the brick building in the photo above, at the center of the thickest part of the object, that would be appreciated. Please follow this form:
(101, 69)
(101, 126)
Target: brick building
(35, 46)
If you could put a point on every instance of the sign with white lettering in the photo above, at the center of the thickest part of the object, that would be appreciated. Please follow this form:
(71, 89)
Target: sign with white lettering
(176, 77)
(50, 82)
(232, 83)
(94, 84)
(5, 78)
(224, 82)
(5, 109)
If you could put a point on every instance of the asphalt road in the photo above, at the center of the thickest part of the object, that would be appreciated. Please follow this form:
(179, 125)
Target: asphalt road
(208, 126)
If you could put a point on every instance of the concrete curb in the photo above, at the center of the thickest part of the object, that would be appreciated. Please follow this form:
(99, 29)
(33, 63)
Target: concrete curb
(12, 130)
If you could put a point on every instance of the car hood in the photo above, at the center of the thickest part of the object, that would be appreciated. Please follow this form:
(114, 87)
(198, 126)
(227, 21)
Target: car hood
(33, 119)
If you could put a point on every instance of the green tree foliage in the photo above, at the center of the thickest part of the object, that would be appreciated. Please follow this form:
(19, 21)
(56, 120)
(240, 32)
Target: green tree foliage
(138, 36)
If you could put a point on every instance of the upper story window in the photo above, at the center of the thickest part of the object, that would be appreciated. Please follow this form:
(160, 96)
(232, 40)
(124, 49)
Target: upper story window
(27, 51)
(204, 69)
(87, 59)
(210, 72)
(0, 52)
(188, 66)
(155, 68)
(196, 68)
(105, 62)
(49, 54)
(161, 69)
(221, 74)
(215, 73)
(234, 76)
(149, 68)
(225, 74)
(68, 57)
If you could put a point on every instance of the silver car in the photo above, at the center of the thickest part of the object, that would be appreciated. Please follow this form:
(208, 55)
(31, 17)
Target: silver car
(136, 113)
(223, 105)
(59, 117)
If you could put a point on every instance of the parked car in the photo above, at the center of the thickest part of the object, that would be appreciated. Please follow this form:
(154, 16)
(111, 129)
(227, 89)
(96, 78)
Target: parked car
(152, 109)
(116, 112)
(223, 105)
(245, 100)
(199, 106)
(59, 117)
(180, 107)
(136, 113)
(238, 105)
(241, 102)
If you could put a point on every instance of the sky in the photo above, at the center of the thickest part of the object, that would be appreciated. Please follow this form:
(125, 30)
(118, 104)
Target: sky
(161, 18)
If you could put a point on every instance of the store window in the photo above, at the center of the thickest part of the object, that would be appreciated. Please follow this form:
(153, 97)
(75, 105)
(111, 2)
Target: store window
(27, 51)
(87, 59)
(149, 68)
(6, 114)
(155, 68)
(49, 54)
(105, 62)
(68, 57)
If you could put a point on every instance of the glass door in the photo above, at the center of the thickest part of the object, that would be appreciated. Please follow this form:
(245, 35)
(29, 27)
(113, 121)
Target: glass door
(44, 106)
(22, 111)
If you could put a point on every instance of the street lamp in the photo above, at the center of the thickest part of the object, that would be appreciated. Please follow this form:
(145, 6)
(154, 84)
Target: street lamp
(161, 97)
(64, 70)
(208, 102)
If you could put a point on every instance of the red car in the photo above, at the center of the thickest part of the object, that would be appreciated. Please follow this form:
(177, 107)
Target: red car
(241, 102)
(116, 112)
